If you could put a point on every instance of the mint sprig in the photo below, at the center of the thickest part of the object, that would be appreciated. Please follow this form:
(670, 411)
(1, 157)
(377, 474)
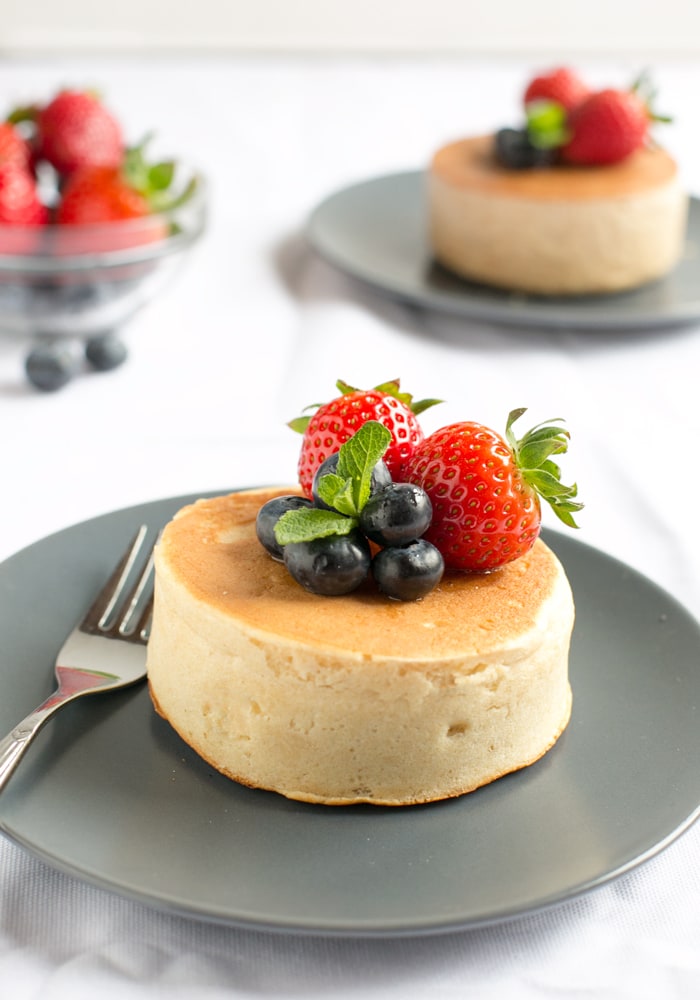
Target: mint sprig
(547, 124)
(307, 523)
(356, 460)
(347, 490)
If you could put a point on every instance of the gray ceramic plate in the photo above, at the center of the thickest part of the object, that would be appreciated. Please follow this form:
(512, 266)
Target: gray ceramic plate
(376, 230)
(110, 794)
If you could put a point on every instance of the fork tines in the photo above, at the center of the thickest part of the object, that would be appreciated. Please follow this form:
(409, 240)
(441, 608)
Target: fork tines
(122, 609)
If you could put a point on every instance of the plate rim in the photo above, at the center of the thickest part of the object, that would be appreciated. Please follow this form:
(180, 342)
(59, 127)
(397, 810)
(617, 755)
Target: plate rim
(397, 928)
(517, 309)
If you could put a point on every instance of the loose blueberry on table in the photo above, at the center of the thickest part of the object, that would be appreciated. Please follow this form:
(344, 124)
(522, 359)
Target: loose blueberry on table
(51, 366)
(105, 352)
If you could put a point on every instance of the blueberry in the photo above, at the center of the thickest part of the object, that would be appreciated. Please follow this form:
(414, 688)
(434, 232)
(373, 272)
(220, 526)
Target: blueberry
(105, 352)
(50, 366)
(268, 516)
(381, 477)
(397, 514)
(408, 572)
(329, 566)
(515, 150)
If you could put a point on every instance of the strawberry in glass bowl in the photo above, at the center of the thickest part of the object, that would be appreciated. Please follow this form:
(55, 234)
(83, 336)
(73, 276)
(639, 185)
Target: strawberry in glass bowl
(90, 231)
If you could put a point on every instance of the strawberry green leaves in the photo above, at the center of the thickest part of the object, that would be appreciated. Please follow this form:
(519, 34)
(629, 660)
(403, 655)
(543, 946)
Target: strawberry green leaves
(391, 388)
(347, 490)
(155, 181)
(647, 92)
(533, 454)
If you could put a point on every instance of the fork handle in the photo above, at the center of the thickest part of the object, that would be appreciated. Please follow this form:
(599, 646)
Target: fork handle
(12, 747)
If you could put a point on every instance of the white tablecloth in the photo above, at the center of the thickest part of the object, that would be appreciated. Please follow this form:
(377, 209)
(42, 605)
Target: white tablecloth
(256, 328)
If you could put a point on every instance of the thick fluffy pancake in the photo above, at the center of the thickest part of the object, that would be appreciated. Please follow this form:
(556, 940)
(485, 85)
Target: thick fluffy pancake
(562, 230)
(354, 698)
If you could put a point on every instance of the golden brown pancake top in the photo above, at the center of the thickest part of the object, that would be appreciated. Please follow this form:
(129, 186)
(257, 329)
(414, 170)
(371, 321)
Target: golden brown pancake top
(211, 548)
(471, 163)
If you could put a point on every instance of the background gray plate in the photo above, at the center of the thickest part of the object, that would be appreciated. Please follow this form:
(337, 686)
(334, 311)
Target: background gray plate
(109, 793)
(376, 231)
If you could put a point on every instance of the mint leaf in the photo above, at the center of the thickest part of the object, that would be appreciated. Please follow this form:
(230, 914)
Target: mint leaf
(359, 455)
(346, 490)
(337, 493)
(329, 486)
(547, 124)
(309, 523)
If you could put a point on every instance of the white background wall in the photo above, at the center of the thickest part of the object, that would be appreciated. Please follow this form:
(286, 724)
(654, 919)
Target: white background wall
(544, 27)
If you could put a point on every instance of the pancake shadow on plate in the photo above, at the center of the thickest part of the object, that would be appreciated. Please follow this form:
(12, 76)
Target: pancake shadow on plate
(310, 278)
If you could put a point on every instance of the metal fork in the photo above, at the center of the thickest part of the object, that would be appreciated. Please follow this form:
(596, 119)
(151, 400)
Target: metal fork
(105, 651)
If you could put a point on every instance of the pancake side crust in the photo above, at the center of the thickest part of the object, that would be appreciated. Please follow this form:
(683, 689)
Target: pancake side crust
(558, 230)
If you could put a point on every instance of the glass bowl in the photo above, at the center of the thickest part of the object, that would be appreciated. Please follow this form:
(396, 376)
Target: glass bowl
(69, 290)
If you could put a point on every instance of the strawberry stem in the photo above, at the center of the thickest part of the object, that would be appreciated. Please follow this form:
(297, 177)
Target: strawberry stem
(391, 388)
(533, 456)
(647, 93)
(154, 180)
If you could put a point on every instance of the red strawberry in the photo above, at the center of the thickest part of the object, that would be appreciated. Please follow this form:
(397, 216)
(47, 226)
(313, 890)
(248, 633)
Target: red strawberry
(97, 196)
(19, 199)
(14, 148)
(561, 85)
(93, 195)
(486, 490)
(21, 212)
(607, 127)
(75, 129)
(334, 422)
